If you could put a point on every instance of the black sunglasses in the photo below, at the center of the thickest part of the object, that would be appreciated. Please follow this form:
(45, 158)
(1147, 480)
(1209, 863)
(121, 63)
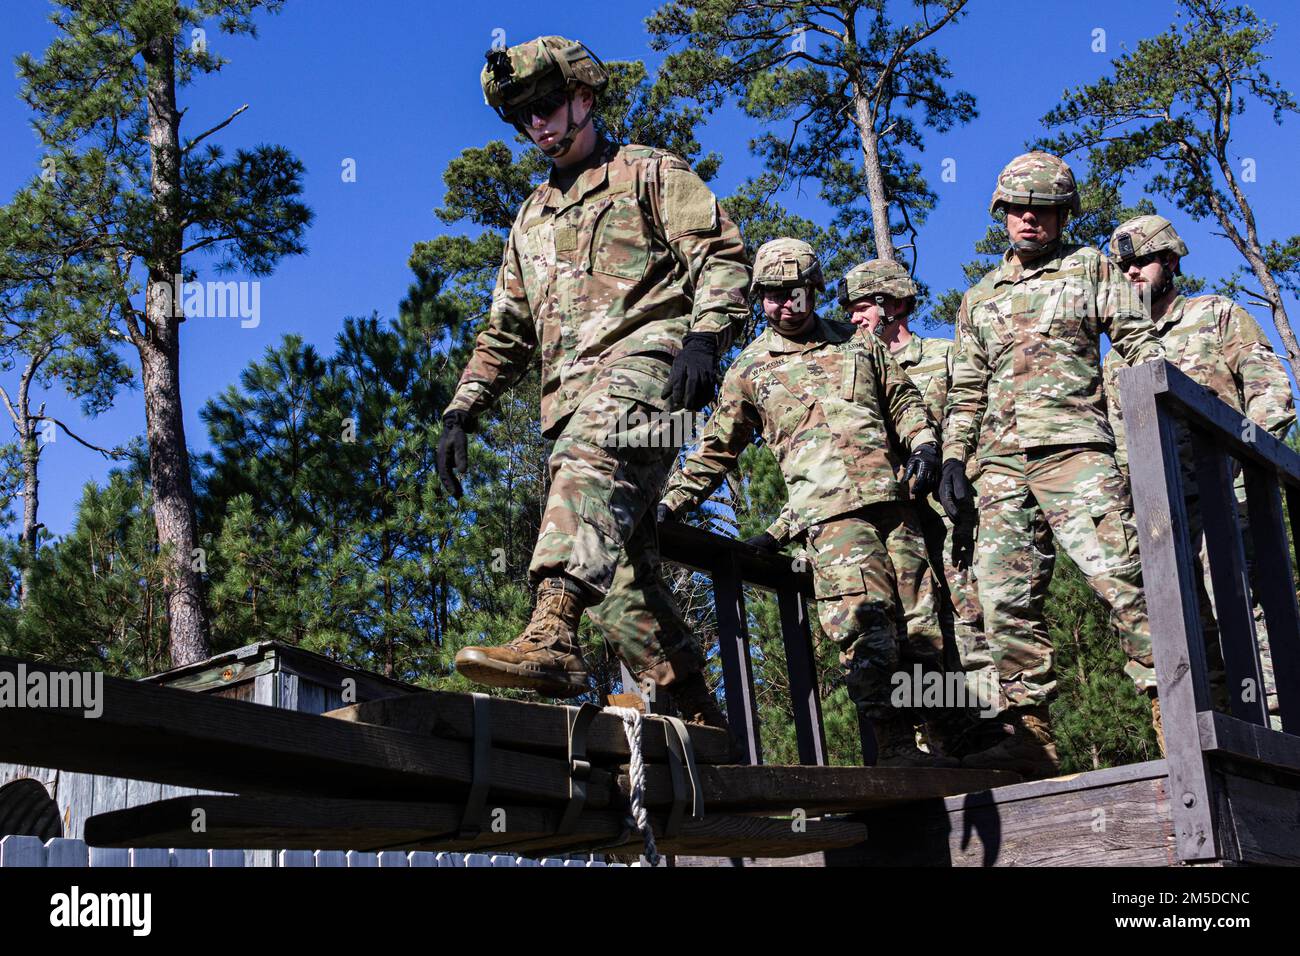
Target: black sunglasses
(1140, 262)
(544, 105)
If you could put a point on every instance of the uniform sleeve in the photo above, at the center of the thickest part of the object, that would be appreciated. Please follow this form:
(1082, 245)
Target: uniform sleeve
(904, 400)
(780, 528)
(1125, 317)
(707, 243)
(1261, 379)
(503, 351)
(1114, 414)
(968, 391)
(729, 432)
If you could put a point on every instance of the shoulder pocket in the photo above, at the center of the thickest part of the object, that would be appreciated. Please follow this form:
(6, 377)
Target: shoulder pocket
(689, 206)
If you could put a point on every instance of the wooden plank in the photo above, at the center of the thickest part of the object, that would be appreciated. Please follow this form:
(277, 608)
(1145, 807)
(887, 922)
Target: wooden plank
(18, 850)
(61, 852)
(737, 668)
(1275, 588)
(376, 826)
(1167, 571)
(195, 740)
(75, 796)
(1232, 604)
(817, 790)
(1227, 736)
(1265, 820)
(522, 725)
(801, 663)
(216, 677)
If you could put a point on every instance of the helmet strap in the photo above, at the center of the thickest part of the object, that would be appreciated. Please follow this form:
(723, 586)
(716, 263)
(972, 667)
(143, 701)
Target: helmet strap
(565, 142)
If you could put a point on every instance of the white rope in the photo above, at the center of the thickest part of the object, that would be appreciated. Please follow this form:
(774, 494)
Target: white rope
(640, 817)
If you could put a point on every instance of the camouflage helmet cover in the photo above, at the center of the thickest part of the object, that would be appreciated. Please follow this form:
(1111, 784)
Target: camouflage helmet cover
(1143, 235)
(1036, 179)
(876, 277)
(786, 264)
(526, 71)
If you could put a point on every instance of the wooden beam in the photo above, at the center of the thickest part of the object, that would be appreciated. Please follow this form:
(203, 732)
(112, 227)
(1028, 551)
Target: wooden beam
(817, 790)
(527, 726)
(737, 668)
(372, 825)
(171, 736)
(1232, 604)
(801, 662)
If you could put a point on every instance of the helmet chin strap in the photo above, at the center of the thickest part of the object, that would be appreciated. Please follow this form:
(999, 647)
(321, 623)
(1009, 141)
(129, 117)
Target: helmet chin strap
(565, 142)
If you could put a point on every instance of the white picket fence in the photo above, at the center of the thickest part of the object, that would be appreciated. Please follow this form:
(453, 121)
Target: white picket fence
(30, 851)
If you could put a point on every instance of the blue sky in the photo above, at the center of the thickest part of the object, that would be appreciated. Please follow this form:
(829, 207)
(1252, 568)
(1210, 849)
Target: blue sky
(393, 85)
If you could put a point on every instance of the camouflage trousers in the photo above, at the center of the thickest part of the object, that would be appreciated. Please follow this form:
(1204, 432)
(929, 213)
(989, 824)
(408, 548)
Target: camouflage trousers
(973, 654)
(607, 473)
(877, 599)
(1029, 503)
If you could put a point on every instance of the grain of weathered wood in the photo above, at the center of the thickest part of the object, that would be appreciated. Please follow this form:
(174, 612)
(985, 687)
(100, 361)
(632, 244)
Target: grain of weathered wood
(1265, 820)
(1235, 620)
(194, 740)
(522, 725)
(1226, 735)
(375, 826)
(1170, 585)
(816, 790)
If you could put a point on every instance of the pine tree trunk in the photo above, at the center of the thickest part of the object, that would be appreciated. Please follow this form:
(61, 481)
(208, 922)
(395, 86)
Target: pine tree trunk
(875, 178)
(169, 464)
(31, 491)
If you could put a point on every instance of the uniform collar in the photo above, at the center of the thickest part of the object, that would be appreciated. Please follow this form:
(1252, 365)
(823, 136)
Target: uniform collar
(1173, 315)
(911, 353)
(822, 333)
(1011, 269)
(589, 181)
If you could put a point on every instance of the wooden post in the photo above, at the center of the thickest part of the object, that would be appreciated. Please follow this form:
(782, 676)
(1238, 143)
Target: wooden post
(801, 662)
(737, 667)
(1232, 605)
(1170, 583)
(1276, 587)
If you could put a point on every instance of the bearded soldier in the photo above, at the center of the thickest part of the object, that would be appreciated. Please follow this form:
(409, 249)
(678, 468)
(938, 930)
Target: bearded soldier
(1026, 403)
(879, 297)
(827, 402)
(1218, 345)
(627, 276)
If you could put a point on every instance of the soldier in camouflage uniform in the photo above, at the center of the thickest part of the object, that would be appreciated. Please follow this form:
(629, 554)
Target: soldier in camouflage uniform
(829, 403)
(1217, 344)
(627, 276)
(1026, 402)
(879, 297)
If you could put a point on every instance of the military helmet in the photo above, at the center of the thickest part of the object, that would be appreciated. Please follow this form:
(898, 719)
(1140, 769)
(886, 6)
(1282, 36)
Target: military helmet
(526, 72)
(786, 264)
(1036, 179)
(1143, 235)
(876, 277)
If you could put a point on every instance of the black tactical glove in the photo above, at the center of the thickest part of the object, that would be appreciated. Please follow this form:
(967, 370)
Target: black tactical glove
(923, 470)
(694, 377)
(764, 542)
(452, 452)
(664, 514)
(963, 540)
(955, 492)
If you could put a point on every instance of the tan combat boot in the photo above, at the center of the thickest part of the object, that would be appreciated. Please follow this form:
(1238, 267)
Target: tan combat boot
(1026, 746)
(896, 745)
(1157, 721)
(546, 657)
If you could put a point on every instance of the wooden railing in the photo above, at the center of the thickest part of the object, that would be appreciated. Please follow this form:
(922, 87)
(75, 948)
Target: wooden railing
(730, 565)
(1205, 746)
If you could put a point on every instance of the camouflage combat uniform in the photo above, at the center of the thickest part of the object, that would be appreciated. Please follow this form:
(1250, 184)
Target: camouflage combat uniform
(604, 280)
(1220, 346)
(928, 363)
(829, 405)
(1026, 403)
